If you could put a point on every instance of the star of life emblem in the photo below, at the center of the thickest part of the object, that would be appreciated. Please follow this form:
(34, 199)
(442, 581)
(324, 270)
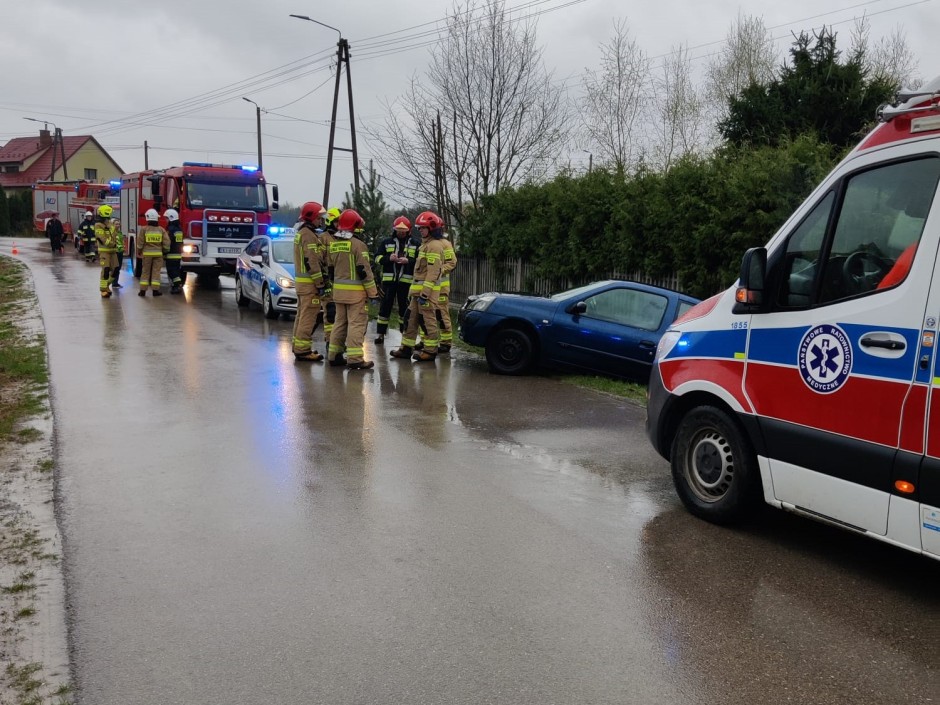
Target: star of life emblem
(825, 358)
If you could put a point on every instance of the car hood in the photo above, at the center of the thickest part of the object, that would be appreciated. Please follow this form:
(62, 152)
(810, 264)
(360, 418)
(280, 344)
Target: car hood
(520, 301)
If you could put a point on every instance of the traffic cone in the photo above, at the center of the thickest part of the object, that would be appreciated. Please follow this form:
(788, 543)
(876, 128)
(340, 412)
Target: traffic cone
(15, 251)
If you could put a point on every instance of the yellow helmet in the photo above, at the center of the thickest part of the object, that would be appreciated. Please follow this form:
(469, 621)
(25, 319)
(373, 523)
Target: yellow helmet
(332, 215)
(105, 211)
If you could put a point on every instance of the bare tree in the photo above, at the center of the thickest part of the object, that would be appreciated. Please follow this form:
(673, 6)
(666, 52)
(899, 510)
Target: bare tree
(890, 59)
(484, 116)
(615, 100)
(679, 109)
(748, 56)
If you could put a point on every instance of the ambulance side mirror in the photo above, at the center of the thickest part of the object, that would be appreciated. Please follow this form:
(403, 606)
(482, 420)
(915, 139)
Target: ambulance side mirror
(749, 296)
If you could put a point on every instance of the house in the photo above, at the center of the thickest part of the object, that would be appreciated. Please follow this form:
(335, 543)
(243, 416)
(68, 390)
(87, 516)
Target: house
(27, 160)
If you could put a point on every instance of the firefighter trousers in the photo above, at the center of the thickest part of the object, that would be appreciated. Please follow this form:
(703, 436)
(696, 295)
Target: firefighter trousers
(108, 263)
(116, 272)
(423, 315)
(150, 273)
(395, 292)
(349, 330)
(443, 320)
(308, 308)
(174, 267)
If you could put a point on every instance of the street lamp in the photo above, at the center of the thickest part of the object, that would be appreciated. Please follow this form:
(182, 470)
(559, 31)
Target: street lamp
(258, 116)
(56, 141)
(342, 57)
(590, 160)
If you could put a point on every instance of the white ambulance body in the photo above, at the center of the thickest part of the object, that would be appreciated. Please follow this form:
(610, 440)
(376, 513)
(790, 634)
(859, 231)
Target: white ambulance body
(815, 382)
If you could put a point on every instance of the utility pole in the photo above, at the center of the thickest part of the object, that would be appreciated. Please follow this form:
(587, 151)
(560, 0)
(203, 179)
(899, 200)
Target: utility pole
(65, 167)
(342, 57)
(146, 156)
(258, 119)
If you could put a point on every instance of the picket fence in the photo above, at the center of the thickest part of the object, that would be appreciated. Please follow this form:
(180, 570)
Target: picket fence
(476, 275)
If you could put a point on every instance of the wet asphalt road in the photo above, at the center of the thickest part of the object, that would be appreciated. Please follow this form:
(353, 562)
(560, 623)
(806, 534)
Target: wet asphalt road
(242, 529)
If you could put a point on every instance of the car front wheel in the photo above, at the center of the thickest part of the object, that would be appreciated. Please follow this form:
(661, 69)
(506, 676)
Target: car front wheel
(267, 304)
(509, 352)
(240, 297)
(714, 468)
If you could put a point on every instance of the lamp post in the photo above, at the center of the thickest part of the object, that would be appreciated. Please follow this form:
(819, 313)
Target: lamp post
(590, 160)
(56, 142)
(342, 57)
(258, 117)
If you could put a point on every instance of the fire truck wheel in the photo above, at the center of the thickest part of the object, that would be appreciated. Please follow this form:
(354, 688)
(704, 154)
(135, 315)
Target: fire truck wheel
(267, 304)
(240, 297)
(714, 467)
(208, 281)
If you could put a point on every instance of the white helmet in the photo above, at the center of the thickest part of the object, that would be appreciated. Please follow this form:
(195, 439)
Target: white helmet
(89, 214)
(151, 214)
(171, 214)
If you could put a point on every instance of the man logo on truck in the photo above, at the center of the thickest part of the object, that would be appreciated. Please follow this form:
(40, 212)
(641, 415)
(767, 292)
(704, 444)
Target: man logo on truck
(825, 358)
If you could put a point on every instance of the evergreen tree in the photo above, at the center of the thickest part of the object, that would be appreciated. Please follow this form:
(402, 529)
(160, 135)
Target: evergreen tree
(815, 93)
(370, 203)
(4, 213)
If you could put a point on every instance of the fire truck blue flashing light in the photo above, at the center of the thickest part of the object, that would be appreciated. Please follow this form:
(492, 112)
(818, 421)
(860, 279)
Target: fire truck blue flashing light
(249, 167)
(114, 184)
(274, 230)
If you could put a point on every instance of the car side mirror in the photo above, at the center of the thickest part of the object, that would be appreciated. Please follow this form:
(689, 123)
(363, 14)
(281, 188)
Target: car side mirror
(577, 309)
(256, 259)
(749, 296)
(275, 199)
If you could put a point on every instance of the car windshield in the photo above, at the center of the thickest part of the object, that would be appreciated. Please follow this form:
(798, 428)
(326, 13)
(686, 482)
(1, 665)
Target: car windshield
(252, 197)
(283, 252)
(573, 292)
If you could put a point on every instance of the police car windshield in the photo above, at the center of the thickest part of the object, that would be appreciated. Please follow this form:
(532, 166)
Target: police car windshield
(283, 252)
(251, 197)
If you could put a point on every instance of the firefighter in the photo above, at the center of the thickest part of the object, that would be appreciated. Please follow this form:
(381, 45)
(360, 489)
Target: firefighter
(119, 251)
(443, 308)
(107, 247)
(54, 232)
(85, 237)
(308, 278)
(152, 243)
(326, 301)
(425, 290)
(174, 260)
(351, 274)
(396, 256)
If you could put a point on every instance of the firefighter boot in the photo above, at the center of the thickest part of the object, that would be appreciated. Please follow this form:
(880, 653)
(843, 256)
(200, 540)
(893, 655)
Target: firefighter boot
(380, 340)
(309, 356)
(364, 365)
(443, 348)
(157, 292)
(338, 361)
(404, 352)
(424, 356)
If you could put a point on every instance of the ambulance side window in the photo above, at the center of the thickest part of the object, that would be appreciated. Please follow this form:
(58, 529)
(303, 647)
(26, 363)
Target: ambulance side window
(802, 257)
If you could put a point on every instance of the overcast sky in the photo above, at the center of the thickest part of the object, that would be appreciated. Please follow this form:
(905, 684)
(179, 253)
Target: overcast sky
(112, 72)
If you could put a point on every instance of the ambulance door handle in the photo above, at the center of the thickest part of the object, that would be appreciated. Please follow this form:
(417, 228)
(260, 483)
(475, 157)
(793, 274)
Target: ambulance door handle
(880, 342)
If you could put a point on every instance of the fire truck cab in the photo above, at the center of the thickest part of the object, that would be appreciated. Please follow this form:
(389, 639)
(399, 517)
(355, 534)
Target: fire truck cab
(814, 382)
(221, 207)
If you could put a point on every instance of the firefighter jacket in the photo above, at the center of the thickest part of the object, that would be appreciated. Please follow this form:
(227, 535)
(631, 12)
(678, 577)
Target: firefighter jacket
(350, 269)
(176, 240)
(86, 231)
(104, 234)
(308, 268)
(449, 265)
(118, 239)
(325, 238)
(403, 247)
(428, 269)
(152, 241)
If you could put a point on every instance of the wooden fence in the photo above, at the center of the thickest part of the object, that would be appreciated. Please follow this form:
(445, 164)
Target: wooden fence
(476, 275)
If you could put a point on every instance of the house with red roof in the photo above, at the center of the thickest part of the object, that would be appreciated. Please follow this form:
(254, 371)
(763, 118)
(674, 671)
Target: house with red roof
(27, 160)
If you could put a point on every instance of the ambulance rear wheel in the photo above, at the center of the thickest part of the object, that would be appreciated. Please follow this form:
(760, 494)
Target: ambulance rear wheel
(714, 467)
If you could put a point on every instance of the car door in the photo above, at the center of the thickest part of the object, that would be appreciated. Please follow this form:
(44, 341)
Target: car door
(249, 269)
(615, 334)
(263, 271)
(830, 368)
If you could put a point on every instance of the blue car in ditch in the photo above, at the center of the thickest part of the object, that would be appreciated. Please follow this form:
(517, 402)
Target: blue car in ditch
(609, 328)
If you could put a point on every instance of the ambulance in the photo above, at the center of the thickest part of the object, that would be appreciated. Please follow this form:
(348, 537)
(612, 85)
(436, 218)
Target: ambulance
(814, 382)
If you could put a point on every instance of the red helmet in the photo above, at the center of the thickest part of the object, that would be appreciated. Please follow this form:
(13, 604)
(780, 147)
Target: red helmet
(311, 210)
(401, 223)
(350, 221)
(430, 220)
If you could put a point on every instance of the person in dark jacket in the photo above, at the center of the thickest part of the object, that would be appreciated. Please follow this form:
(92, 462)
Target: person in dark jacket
(174, 260)
(54, 232)
(396, 255)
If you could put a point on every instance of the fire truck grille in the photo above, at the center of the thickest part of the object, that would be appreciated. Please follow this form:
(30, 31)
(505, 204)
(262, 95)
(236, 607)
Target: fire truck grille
(230, 231)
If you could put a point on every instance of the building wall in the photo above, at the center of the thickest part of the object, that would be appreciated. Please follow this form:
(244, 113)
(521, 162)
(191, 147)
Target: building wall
(89, 157)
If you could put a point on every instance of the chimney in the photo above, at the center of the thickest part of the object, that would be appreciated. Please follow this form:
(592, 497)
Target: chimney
(45, 138)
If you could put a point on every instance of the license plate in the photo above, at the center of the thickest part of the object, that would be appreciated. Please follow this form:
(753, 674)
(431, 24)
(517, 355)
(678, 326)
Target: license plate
(230, 250)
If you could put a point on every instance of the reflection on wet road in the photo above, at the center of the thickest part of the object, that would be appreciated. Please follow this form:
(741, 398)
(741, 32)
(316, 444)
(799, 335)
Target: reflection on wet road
(243, 529)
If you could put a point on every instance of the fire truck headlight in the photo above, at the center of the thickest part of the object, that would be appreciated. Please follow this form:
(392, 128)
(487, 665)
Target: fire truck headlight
(191, 249)
(666, 344)
(285, 283)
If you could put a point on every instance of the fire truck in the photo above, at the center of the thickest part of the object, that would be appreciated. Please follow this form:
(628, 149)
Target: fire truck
(221, 207)
(71, 199)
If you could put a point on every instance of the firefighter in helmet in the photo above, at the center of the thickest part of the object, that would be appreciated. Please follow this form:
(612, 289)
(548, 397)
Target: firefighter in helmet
(174, 260)
(152, 243)
(118, 252)
(308, 278)
(396, 256)
(107, 248)
(350, 271)
(85, 237)
(443, 302)
(425, 290)
(327, 235)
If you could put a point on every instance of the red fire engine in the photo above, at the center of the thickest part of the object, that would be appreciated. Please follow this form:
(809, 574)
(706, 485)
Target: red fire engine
(70, 199)
(221, 207)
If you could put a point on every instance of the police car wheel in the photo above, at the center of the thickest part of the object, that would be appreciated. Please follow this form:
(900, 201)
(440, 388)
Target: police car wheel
(509, 352)
(267, 304)
(240, 297)
(714, 468)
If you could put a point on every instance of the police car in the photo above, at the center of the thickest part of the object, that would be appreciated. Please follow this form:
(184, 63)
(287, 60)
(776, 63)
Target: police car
(814, 383)
(264, 273)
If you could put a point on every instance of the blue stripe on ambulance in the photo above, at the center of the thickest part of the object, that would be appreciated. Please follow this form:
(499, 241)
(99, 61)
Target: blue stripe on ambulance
(720, 344)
